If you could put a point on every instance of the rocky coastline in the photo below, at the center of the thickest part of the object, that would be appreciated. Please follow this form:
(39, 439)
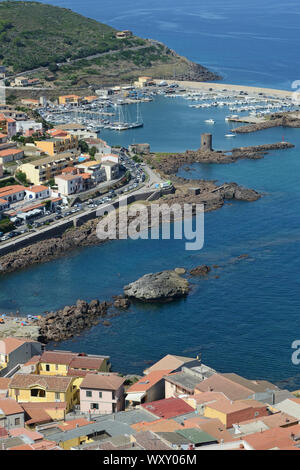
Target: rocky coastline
(169, 164)
(211, 196)
(276, 120)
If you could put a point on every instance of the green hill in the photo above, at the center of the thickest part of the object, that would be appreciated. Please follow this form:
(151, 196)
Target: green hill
(34, 35)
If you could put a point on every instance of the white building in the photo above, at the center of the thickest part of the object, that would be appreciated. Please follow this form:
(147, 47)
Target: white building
(69, 184)
(24, 126)
(37, 192)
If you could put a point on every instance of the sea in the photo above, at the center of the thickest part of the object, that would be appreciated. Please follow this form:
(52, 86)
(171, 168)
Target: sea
(245, 315)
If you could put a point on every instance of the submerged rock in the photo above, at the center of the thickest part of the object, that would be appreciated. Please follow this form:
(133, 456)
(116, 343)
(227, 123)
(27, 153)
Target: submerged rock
(161, 286)
(202, 270)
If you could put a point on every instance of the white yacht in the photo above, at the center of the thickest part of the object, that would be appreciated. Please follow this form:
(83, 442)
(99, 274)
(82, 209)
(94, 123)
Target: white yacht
(209, 121)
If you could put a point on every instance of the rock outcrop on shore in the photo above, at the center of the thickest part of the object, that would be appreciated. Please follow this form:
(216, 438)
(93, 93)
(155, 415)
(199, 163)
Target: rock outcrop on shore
(71, 320)
(274, 121)
(168, 164)
(162, 286)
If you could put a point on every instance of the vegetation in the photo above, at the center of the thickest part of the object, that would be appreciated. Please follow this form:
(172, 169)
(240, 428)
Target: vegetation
(34, 34)
(6, 225)
(21, 176)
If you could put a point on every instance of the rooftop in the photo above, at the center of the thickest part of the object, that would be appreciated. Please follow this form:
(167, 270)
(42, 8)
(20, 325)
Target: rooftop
(53, 383)
(168, 407)
(102, 381)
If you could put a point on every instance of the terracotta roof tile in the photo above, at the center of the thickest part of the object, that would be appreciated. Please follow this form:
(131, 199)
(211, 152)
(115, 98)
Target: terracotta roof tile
(168, 408)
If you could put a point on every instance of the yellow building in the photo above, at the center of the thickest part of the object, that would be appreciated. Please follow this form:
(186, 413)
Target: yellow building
(48, 389)
(143, 82)
(58, 144)
(66, 99)
(41, 171)
(65, 362)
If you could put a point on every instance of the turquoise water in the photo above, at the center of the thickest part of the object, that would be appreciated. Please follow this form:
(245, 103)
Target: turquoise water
(246, 320)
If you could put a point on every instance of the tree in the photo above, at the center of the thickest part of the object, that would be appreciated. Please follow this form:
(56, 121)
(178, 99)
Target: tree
(92, 151)
(83, 146)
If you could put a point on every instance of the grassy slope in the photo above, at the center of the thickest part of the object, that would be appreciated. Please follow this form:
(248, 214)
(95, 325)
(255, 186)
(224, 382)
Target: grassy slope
(34, 34)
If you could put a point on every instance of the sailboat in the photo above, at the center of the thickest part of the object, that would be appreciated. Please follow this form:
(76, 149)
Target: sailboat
(121, 125)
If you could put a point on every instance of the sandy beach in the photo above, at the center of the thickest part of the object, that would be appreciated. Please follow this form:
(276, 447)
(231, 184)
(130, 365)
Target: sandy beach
(233, 88)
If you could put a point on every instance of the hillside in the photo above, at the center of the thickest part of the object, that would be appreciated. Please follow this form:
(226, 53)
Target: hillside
(35, 35)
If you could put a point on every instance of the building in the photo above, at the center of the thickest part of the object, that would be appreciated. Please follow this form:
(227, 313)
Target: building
(35, 388)
(69, 99)
(56, 145)
(173, 363)
(149, 388)
(68, 184)
(230, 413)
(65, 362)
(14, 351)
(186, 380)
(10, 155)
(11, 414)
(12, 193)
(110, 157)
(23, 127)
(111, 169)
(102, 147)
(143, 82)
(102, 393)
(37, 192)
(93, 168)
(4, 205)
(43, 170)
(21, 81)
(124, 34)
(168, 408)
(30, 102)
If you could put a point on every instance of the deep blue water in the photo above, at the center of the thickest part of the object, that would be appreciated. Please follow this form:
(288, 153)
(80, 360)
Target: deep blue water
(246, 320)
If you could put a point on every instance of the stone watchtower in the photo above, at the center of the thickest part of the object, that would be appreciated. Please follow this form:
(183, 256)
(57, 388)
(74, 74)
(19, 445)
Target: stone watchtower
(206, 142)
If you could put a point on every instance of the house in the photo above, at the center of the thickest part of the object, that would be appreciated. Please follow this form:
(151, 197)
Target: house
(102, 147)
(69, 184)
(149, 388)
(37, 192)
(220, 383)
(10, 155)
(95, 169)
(234, 412)
(7, 125)
(290, 406)
(111, 169)
(11, 414)
(102, 393)
(21, 81)
(110, 157)
(276, 438)
(185, 381)
(35, 388)
(30, 102)
(124, 34)
(167, 408)
(63, 362)
(23, 127)
(14, 351)
(69, 99)
(12, 193)
(57, 145)
(43, 413)
(173, 363)
(42, 170)
(143, 82)
(4, 382)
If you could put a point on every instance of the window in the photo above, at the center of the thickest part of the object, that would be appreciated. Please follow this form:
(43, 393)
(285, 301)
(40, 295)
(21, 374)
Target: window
(37, 392)
(100, 394)
(57, 396)
(17, 421)
(94, 406)
(47, 367)
(56, 366)
(88, 393)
